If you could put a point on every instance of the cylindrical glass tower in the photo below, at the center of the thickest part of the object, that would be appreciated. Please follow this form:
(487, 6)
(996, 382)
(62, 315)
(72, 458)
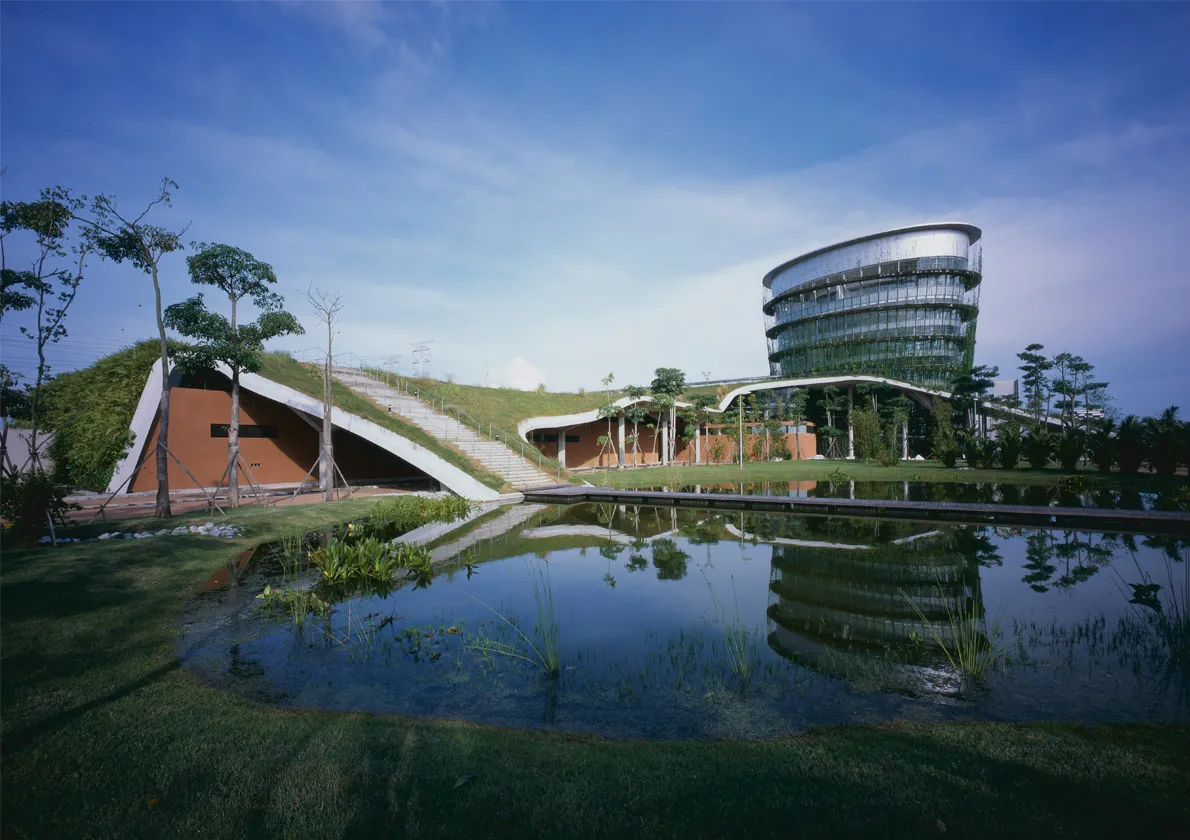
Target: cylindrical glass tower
(900, 304)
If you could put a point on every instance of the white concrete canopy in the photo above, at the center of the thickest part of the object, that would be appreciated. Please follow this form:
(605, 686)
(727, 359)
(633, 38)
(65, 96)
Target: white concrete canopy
(917, 391)
(448, 475)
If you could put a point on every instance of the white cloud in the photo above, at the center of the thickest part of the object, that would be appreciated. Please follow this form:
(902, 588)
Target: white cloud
(521, 374)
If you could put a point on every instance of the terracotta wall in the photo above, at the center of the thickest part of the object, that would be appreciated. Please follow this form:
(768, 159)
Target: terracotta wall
(280, 460)
(584, 453)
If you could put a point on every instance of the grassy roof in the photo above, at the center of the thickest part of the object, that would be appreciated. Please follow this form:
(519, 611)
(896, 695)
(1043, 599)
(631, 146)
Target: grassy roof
(89, 411)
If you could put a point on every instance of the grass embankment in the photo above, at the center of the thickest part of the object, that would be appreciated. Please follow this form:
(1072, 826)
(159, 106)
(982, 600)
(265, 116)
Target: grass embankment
(104, 735)
(506, 407)
(308, 379)
(931, 471)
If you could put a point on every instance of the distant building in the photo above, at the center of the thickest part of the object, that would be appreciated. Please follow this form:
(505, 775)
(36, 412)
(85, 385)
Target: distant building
(900, 304)
(1007, 388)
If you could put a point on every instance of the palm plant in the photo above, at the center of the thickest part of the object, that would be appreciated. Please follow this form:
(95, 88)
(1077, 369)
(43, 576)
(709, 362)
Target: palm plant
(1010, 445)
(1071, 447)
(1165, 441)
(1101, 444)
(1038, 443)
(1132, 444)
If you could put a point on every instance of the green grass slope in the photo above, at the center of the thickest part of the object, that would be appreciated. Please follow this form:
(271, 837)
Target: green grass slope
(105, 734)
(89, 411)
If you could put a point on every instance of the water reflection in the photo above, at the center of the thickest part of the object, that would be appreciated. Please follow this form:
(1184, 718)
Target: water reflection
(838, 615)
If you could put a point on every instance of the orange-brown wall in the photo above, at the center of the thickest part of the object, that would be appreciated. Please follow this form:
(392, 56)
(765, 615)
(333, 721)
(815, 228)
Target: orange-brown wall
(280, 460)
(586, 452)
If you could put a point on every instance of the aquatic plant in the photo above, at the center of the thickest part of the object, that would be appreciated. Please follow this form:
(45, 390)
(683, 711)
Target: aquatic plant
(299, 603)
(542, 648)
(291, 552)
(737, 640)
(838, 476)
(397, 515)
(369, 559)
(966, 645)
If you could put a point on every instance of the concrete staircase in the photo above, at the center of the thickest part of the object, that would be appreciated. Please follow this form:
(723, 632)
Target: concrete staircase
(518, 471)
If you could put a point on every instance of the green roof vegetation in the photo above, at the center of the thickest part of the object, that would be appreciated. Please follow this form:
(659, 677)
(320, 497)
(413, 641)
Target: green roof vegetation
(506, 407)
(105, 735)
(89, 412)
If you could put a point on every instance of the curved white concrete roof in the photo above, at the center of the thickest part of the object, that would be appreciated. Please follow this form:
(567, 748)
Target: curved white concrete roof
(568, 420)
(447, 474)
(969, 229)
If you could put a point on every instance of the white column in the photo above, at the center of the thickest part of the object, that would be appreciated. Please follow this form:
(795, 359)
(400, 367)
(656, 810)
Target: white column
(905, 439)
(620, 456)
(850, 429)
(562, 447)
(698, 444)
(664, 440)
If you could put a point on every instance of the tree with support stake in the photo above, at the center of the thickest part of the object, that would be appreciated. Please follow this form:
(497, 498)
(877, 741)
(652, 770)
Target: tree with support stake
(119, 238)
(328, 307)
(239, 275)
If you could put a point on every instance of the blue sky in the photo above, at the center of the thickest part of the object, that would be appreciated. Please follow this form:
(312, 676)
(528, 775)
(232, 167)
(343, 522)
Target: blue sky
(554, 191)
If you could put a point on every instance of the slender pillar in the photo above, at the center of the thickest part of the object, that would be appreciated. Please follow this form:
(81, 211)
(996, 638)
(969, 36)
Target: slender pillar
(697, 444)
(562, 447)
(905, 439)
(664, 440)
(850, 428)
(620, 450)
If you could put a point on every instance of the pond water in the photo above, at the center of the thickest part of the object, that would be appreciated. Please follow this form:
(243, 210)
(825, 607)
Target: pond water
(1073, 491)
(676, 623)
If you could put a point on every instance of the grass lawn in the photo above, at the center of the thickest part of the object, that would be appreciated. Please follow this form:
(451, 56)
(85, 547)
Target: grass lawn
(308, 380)
(103, 734)
(859, 470)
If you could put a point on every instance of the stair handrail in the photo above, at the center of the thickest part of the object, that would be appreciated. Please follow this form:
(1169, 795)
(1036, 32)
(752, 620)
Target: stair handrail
(440, 405)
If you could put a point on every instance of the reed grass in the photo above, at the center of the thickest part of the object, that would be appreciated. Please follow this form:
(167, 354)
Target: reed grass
(737, 640)
(969, 648)
(542, 648)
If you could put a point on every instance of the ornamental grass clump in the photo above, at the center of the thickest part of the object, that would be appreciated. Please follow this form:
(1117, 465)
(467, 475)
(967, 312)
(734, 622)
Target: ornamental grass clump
(967, 646)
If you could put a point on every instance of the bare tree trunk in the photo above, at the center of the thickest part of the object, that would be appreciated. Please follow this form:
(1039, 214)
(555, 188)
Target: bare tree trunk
(233, 429)
(233, 442)
(162, 510)
(328, 473)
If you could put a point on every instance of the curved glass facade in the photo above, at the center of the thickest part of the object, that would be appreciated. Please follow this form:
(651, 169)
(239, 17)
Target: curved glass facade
(901, 304)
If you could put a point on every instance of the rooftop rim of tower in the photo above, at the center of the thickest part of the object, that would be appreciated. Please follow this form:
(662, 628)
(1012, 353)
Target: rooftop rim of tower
(971, 230)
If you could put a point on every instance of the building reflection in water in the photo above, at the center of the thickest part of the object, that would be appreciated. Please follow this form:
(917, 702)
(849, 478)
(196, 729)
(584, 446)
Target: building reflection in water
(850, 609)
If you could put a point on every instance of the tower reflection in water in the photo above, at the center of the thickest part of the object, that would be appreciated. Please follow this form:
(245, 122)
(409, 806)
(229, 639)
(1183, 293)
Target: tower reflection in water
(850, 609)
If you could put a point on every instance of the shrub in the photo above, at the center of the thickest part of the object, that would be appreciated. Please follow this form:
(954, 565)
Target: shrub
(866, 429)
(1010, 444)
(1038, 444)
(26, 498)
(979, 453)
(942, 441)
(1101, 445)
(1071, 447)
(1165, 441)
(1132, 444)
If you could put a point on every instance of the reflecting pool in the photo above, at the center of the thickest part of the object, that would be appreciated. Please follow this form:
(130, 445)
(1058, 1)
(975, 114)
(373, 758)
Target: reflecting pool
(652, 622)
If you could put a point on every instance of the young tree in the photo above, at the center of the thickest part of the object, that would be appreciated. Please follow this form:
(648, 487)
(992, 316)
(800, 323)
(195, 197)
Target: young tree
(1101, 444)
(52, 285)
(1132, 444)
(119, 238)
(635, 414)
(795, 410)
(1063, 386)
(666, 387)
(943, 445)
(1034, 367)
(969, 389)
(239, 275)
(832, 403)
(328, 307)
(1164, 434)
(695, 416)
